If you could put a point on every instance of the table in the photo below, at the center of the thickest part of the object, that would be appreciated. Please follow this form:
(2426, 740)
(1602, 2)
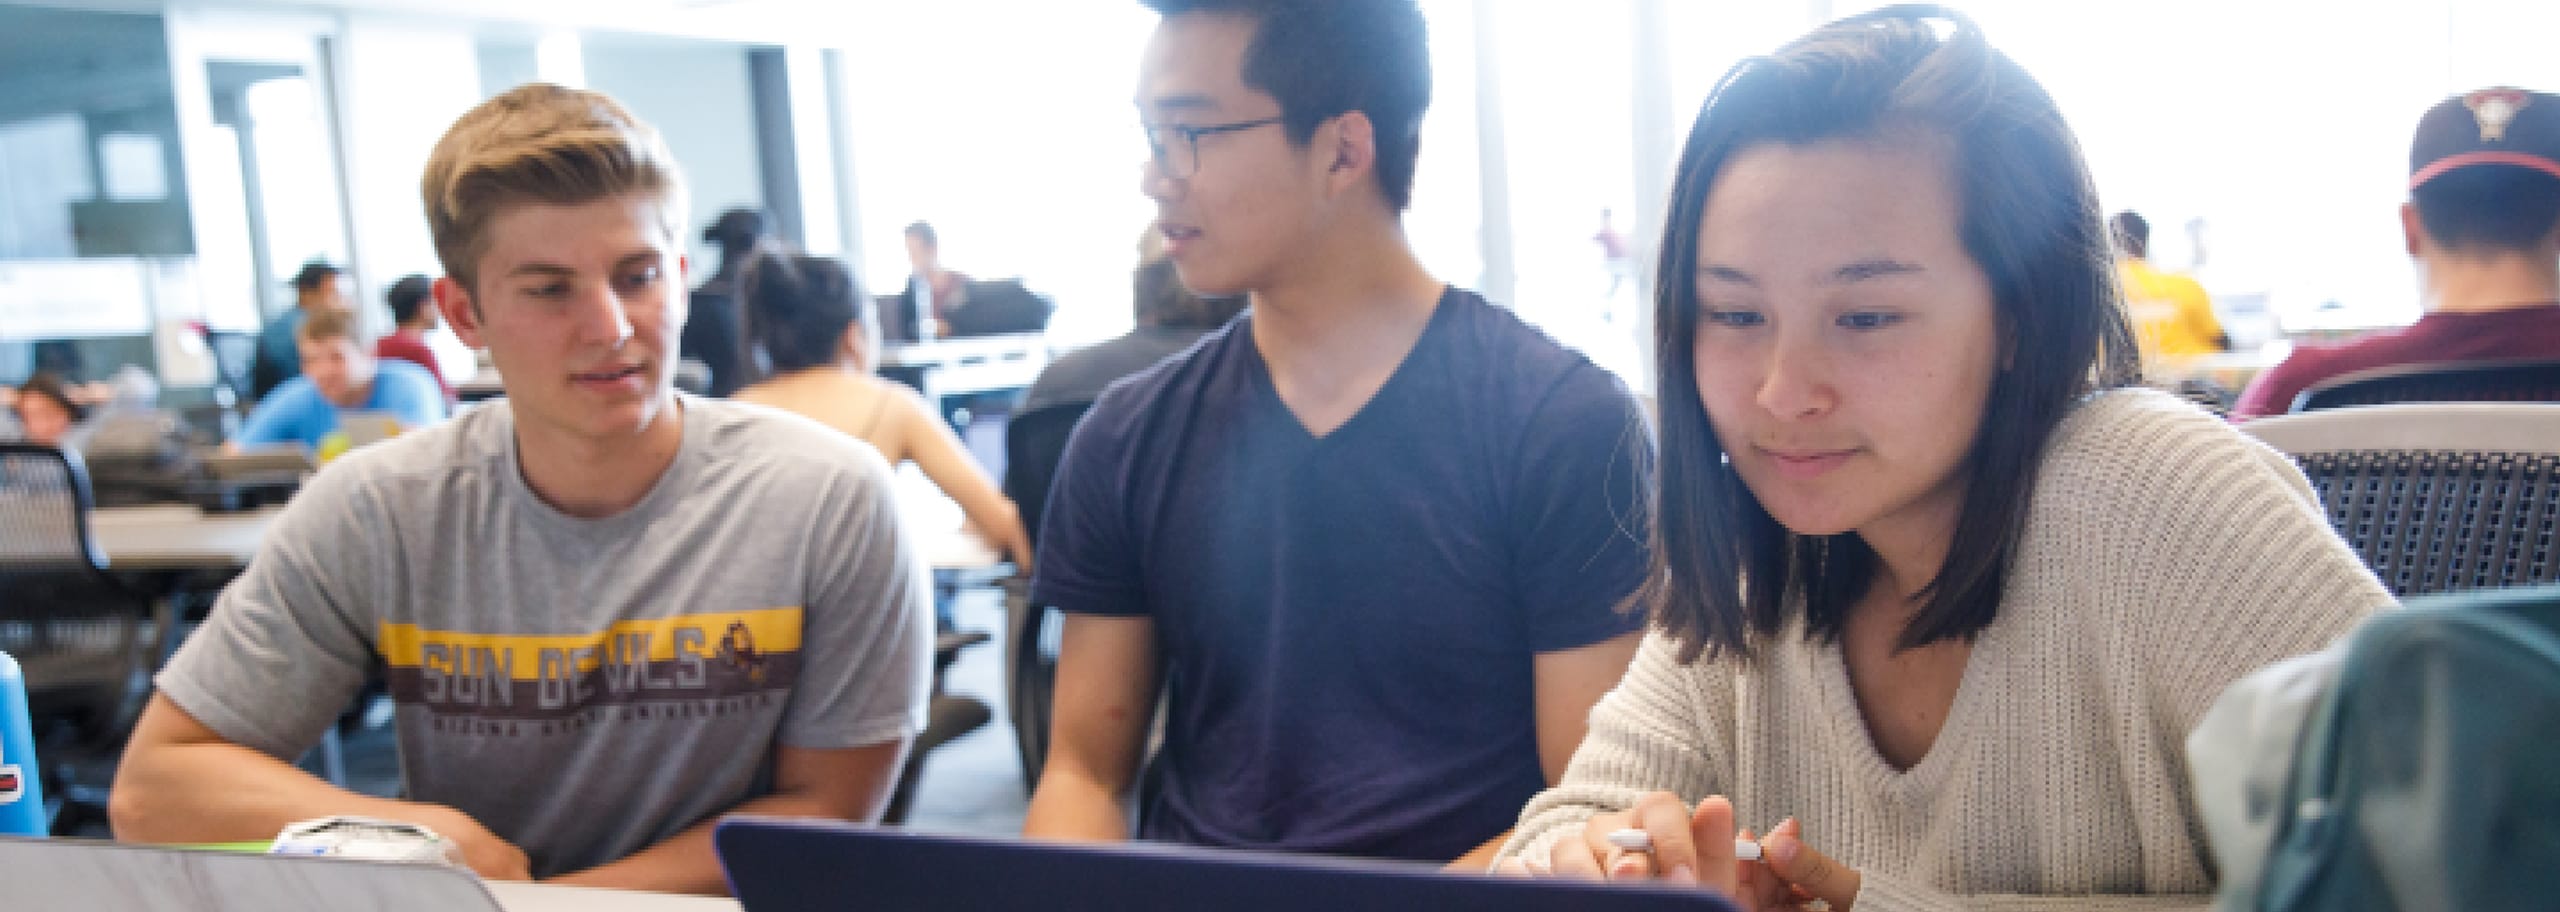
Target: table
(947, 543)
(535, 897)
(166, 537)
(178, 537)
(974, 363)
(180, 554)
(945, 368)
(2232, 370)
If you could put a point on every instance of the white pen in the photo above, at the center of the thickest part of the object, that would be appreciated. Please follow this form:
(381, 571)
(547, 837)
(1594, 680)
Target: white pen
(1635, 840)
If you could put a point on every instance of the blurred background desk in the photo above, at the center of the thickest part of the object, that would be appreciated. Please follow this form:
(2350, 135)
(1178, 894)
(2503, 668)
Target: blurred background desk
(178, 537)
(954, 373)
(169, 537)
(2231, 370)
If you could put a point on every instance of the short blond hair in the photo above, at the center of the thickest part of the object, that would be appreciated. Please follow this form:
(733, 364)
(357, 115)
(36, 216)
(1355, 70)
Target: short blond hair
(326, 324)
(540, 143)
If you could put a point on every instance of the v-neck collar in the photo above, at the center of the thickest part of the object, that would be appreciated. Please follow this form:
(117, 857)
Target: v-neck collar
(1840, 703)
(1267, 390)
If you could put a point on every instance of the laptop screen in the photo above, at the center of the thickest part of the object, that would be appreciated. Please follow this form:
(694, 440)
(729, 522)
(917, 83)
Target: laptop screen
(809, 866)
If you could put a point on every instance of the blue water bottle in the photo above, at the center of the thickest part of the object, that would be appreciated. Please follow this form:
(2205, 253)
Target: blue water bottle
(21, 797)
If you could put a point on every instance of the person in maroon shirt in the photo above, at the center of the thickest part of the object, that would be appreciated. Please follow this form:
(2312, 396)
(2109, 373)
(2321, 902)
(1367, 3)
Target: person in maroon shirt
(413, 318)
(2483, 222)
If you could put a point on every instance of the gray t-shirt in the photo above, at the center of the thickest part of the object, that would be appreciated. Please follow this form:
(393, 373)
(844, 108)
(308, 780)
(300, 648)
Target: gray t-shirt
(584, 688)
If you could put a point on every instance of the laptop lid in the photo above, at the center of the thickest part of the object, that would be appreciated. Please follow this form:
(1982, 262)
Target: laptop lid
(113, 877)
(809, 866)
(365, 427)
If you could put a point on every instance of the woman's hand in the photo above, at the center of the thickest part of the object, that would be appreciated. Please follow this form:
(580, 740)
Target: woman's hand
(1810, 875)
(1691, 848)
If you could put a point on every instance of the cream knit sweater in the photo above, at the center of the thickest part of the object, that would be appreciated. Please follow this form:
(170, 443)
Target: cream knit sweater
(2166, 555)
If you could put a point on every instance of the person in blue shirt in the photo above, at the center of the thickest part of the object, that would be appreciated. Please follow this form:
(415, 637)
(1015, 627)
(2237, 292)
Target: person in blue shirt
(338, 374)
(316, 287)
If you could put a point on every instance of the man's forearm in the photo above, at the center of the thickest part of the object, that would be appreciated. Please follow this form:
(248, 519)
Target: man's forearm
(686, 862)
(174, 793)
(1075, 808)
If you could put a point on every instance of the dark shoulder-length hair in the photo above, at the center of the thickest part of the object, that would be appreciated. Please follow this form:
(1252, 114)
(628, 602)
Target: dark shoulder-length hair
(798, 306)
(1724, 572)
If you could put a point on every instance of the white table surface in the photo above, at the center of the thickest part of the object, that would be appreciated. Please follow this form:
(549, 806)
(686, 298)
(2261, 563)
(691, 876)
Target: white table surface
(534, 897)
(178, 536)
(937, 520)
(181, 537)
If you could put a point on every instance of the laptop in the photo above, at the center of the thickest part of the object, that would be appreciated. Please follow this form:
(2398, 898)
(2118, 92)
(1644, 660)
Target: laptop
(810, 866)
(113, 877)
(282, 460)
(364, 427)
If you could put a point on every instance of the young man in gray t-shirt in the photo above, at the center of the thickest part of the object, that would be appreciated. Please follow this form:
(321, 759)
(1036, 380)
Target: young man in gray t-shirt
(609, 615)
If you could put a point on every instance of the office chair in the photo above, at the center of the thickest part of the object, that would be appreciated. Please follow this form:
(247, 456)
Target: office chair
(86, 642)
(2447, 381)
(2436, 497)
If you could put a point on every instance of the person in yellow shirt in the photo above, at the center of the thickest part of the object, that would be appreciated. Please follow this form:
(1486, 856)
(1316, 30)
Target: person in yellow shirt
(2172, 316)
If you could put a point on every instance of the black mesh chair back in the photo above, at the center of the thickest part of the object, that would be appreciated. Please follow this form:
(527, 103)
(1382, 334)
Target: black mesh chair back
(2206, 394)
(2452, 381)
(44, 506)
(85, 642)
(1035, 441)
(2436, 497)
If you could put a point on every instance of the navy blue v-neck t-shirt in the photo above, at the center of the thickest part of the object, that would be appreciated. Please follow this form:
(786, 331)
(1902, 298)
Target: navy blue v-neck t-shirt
(1345, 624)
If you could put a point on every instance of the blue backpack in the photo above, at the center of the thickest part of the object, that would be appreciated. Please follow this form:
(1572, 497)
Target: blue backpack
(2429, 776)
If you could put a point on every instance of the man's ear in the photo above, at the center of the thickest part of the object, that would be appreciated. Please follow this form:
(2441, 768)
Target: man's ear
(1351, 142)
(2413, 230)
(460, 311)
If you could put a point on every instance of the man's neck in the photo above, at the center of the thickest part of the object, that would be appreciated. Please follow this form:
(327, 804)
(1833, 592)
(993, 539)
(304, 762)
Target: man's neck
(1360, 298)
(2478, 285)
(1333, 329)
(594, 479)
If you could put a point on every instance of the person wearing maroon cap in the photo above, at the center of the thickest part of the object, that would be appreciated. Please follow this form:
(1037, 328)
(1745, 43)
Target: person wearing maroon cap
(2483, 222)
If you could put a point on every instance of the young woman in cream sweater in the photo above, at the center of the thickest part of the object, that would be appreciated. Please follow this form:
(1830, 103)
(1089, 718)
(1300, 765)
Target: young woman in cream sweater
(1932, 584)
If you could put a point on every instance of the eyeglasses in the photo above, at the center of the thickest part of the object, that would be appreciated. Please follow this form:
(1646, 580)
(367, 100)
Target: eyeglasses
(1180, 160)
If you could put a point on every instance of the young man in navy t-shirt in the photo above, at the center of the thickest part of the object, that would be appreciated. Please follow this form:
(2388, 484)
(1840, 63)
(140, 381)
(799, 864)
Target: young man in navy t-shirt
(1372, 538)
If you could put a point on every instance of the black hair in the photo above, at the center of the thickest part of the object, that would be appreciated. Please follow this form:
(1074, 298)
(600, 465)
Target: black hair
(2489, 208)
(50, 385)
(1162, 300)
(1724, 572)
(1324, 58)
(315, 274)
(736, 230)
(2133, 234)
(799, 307)
(924, 232)
(407, 295)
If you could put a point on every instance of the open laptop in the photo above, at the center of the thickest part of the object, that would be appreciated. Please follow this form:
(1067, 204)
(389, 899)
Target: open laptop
(365, 427)
(809, 866)
(111, 877)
